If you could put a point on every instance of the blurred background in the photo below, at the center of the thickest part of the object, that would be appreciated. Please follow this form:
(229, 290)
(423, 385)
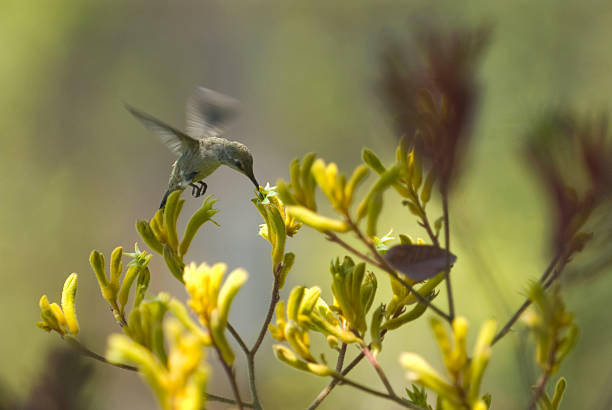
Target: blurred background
(77, 170)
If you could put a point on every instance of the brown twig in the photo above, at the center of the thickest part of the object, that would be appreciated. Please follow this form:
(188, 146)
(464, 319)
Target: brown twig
(238, 338)
(325, 392)
(220, 399)
(85, 351)
(424, 222)
(449, 289)
(398, 400)
(335, 238)
(381, 374)
(273, 301)
(250, 353)
(230, 376)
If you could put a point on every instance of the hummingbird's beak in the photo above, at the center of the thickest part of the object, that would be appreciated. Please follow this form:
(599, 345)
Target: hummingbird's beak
(164, 199)
(252, 178)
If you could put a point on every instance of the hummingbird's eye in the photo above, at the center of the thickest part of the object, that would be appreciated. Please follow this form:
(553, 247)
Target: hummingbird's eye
(238, 164)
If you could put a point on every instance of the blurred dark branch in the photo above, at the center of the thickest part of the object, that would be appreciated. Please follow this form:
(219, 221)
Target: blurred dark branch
(546, 282)
(447, 279)
(431, 93)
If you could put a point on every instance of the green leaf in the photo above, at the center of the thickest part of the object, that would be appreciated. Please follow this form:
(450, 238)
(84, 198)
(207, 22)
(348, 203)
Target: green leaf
(199, 218)
(372, 161)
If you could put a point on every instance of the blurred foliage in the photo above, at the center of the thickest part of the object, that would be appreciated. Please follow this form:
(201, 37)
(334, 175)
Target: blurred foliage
(64, 383)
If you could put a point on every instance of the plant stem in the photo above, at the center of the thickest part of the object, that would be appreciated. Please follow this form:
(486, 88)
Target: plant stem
(334, 238)
(85, 351)
(546, 372)
(262, 333)
(341, 356)
(238, 338)
(504, 330)
(325, 392)
(220, 399)
(449, 290)
(231, 377)
(382, 264)
(381, 374)
(273, 301)
(250, 353)
(424, 222)
(398, 400)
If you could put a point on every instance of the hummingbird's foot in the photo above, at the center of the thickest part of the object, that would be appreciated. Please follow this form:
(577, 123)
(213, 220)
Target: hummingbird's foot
(198, 190)
(194, 190)
(202, 189)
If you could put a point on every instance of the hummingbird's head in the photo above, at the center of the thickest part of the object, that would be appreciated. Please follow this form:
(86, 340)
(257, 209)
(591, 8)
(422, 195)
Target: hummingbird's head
(238, 157)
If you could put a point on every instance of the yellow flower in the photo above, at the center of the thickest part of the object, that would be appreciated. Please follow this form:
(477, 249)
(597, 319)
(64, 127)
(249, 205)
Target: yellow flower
(211, 299)
(203, 284)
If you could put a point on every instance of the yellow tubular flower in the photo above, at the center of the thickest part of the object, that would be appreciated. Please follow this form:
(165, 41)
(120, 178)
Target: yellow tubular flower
(203, 283)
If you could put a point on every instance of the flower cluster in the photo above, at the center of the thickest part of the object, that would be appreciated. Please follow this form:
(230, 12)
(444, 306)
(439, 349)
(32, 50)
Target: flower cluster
(211, 299)
(160, 233)
(460, 389)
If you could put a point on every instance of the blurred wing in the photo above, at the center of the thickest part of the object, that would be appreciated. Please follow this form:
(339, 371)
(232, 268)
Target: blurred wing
(177, 141)
(418, 262)
(209, 112)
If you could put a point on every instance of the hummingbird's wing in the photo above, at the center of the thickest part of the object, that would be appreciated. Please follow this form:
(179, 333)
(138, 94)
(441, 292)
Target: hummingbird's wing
(177, 141)
(209, 112)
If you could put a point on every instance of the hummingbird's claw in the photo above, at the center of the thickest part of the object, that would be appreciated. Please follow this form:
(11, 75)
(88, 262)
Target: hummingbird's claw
(198, 190)
(203, 188)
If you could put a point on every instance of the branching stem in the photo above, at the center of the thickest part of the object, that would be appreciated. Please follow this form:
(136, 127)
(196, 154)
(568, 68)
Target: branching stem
(325, 392)
(394, 398)
(85, 351)
(381, 263)
(381, 374)
(250, 353)
(230, 376)
(424, 222)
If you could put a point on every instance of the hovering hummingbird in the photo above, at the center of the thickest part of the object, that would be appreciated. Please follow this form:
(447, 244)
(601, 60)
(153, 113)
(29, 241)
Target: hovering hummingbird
(202, 148)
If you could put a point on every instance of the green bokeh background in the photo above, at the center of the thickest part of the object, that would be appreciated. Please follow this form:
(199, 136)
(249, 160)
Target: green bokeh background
(77, 170)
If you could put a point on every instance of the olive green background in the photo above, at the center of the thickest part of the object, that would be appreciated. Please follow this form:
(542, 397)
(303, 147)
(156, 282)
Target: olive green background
(77, 170)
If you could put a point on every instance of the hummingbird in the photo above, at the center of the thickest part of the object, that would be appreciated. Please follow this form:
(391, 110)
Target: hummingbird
(202, 148)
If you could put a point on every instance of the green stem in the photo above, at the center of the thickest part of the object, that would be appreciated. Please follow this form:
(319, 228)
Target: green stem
(546, 372)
